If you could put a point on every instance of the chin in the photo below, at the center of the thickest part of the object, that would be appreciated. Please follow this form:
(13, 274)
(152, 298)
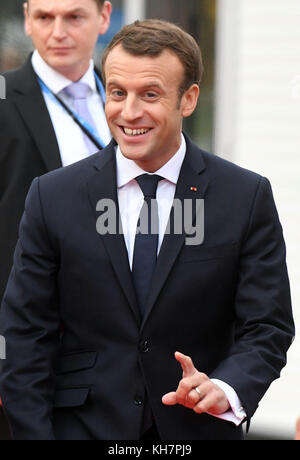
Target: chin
(60, 60)
(129, 154)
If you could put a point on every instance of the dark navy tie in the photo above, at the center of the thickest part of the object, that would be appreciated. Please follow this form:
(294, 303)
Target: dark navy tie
(146, 240)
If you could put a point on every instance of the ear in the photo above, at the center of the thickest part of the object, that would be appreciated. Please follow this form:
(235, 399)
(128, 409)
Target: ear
(27, 22)
(189, 101)
(105, 17)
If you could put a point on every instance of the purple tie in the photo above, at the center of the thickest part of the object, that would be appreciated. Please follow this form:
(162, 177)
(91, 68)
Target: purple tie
(78, 92)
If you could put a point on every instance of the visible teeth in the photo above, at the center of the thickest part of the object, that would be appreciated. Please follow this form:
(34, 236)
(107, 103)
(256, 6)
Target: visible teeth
(135, 132)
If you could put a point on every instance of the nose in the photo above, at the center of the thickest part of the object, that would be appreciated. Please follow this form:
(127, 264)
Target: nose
(59, 29)
(132, 109)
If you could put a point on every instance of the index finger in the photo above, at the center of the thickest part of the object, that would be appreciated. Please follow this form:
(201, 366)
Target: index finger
(186, 363)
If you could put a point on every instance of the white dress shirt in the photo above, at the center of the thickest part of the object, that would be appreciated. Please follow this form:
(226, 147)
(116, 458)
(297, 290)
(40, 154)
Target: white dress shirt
(131, 199)
(68, 134)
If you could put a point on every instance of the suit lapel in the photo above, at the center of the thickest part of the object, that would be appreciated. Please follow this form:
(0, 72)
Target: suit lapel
(30, 103)
(192, 185)
(102, 185)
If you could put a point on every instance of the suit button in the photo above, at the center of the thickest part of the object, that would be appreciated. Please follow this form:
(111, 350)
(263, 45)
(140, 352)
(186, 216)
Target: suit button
(145, 346)
(138, 401)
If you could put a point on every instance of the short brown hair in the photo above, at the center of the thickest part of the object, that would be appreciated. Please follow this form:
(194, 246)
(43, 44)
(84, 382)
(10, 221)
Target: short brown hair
(100, 3)
(151, 37)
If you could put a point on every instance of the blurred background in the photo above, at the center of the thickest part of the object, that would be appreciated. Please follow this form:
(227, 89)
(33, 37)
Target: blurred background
(248, 113)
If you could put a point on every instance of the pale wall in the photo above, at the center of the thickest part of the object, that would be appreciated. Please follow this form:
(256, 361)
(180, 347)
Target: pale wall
(257, 125)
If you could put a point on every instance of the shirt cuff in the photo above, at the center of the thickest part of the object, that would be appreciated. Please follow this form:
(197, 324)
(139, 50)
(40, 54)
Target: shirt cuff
(237, 413)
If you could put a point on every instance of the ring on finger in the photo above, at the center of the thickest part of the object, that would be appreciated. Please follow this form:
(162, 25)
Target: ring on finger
(198, 391)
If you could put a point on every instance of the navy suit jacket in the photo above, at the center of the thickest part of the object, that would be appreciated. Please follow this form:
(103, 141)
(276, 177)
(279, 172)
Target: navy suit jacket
(80, 359)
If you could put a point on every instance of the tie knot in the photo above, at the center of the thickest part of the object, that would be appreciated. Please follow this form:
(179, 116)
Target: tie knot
(77, 90)
(148, 184)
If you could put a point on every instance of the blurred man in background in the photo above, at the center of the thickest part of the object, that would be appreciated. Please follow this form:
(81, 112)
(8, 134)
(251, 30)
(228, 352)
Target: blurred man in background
(53, 114)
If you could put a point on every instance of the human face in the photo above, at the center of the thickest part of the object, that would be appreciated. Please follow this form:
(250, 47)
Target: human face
(65, 32)
(142, 106)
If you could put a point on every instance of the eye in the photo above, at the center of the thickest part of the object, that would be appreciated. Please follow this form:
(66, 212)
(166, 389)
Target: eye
(151, 95)
(43, 17)
(75, 17)
(117, 93)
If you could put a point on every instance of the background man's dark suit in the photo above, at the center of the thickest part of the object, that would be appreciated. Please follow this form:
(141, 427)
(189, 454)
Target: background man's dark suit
(28, 149)
(79, 357)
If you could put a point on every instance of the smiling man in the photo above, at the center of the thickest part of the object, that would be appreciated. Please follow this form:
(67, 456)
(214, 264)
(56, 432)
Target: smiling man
(137, 335)
(141, 95)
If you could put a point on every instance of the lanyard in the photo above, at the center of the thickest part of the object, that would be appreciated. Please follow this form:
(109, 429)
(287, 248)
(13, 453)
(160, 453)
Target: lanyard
(92, 134)
(100, 87)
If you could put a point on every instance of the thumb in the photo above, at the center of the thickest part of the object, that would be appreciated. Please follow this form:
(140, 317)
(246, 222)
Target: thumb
(169, 399)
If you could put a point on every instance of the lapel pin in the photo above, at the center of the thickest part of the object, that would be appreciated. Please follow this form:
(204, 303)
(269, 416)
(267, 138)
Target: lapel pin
(194, 189)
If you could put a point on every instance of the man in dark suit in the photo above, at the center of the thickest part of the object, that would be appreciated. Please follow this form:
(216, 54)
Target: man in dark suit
(95, 310)
(33, 141)
(37, 134)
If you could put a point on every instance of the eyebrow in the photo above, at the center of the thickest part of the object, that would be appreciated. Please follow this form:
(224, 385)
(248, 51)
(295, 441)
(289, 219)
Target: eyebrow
(152, 84)
(74, 11)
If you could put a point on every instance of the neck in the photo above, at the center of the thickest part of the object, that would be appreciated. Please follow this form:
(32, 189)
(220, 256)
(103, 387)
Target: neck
(152, 166)
(73, 74)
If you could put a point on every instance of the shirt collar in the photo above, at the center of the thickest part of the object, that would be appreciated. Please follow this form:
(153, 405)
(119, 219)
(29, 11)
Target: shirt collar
(54, 80)
(128, 170)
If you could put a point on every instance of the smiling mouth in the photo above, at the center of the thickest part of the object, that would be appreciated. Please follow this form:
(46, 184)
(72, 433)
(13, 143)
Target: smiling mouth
(135, 132)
